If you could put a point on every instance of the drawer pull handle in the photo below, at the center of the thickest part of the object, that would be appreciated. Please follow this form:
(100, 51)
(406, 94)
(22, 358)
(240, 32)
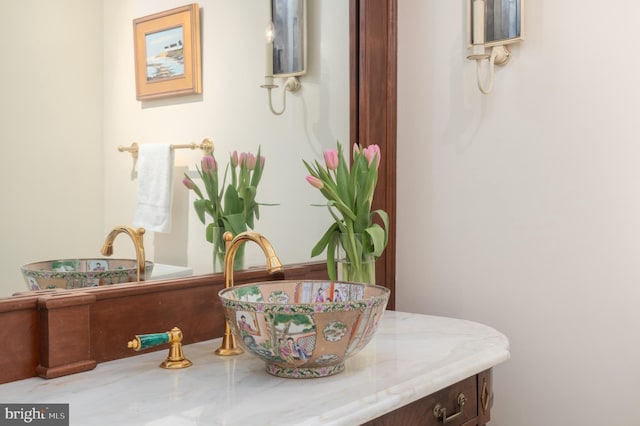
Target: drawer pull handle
(440, 412)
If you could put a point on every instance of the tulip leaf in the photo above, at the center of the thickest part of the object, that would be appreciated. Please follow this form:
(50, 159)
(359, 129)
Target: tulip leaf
(200, 207)
(324, 241)
(209, 232)
(234, 223)
(232, 202)
(331, 257)
(257, 172)
(376, 233)
(380, 235)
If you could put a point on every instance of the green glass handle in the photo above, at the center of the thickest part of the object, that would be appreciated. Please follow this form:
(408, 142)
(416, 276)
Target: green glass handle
(146, 341)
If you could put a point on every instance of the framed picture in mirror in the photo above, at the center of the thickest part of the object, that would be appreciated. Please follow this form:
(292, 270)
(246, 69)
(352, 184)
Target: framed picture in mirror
(167, 53)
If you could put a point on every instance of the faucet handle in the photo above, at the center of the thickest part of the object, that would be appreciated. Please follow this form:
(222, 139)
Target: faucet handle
(175, 359)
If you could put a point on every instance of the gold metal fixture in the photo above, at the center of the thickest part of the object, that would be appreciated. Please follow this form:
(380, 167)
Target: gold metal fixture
(138, 241)
(206, 146)
(229, 345)
(175, 359)
(486, 398)
(440, 412)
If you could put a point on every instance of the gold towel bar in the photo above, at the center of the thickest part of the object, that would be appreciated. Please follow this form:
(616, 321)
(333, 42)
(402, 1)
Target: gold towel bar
(206, 146)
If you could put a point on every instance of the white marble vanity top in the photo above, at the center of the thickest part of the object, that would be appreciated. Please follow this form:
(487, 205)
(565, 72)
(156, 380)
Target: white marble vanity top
(165, 272)
(411, 356)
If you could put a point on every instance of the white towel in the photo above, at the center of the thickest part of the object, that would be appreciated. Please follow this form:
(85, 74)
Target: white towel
(155, 187)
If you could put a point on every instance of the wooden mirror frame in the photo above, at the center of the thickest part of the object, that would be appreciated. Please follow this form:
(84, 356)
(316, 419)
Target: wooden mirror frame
(373, 99)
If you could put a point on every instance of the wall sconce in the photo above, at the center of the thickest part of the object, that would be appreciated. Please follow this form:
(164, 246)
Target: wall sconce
(494, 24)
(286, 47)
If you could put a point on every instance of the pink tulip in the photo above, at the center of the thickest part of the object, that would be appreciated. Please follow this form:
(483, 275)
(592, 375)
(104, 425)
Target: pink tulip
(242, 159)
(356, 150)
(188, 183)
(209, 165)
(371, 152)
(251, 161)
(234, 159)
(331, 159)
(315, 182)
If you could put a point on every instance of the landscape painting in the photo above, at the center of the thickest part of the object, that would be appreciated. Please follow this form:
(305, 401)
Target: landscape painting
(165, 54)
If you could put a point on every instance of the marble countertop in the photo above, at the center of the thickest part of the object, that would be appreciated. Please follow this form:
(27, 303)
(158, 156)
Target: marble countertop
(164, 272)
(410, 356)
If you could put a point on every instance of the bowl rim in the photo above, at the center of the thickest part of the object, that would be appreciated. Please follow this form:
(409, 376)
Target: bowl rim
(50, 273)
(385, 293)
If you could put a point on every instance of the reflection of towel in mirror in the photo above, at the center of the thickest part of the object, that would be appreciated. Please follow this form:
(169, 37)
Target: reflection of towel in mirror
(155, 187)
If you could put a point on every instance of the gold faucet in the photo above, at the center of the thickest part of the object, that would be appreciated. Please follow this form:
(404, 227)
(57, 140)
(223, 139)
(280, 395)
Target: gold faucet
(137, 238)
(229, 345)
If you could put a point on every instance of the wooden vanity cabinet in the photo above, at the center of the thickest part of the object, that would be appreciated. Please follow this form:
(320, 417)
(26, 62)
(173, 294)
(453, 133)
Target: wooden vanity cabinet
(478, 398)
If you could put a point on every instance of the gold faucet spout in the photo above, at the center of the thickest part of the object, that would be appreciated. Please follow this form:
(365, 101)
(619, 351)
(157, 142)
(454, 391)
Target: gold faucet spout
(136, 236)
(273, 264)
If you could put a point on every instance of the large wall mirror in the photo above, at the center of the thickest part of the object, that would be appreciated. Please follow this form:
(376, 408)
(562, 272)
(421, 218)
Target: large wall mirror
(71, 174)
(81, 186)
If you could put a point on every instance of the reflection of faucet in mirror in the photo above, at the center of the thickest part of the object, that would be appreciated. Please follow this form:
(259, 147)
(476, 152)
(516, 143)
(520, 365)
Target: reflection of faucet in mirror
(136, 236)
(229, 345)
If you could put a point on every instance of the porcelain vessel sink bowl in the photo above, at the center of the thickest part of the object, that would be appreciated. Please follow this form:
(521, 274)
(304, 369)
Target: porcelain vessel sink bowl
(304, 329)
(78, 273)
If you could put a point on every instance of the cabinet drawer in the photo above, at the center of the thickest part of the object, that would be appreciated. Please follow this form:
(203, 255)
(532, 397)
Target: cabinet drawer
(461, 397)
(421, 412)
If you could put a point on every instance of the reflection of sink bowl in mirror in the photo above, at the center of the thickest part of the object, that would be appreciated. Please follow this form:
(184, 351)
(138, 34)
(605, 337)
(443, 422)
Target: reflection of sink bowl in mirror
(304, 329)
(78, 273)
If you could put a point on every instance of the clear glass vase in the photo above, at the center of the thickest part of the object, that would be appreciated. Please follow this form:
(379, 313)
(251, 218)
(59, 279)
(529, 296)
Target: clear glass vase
(219, 252)
(352, 264)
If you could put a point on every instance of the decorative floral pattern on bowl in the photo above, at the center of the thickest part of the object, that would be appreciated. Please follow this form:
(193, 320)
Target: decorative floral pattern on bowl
(304, 329)
(78, 273)
(334, 331)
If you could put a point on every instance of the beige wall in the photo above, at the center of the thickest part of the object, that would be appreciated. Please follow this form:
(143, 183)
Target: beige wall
(521, 209)
(51, 166)
(69, 102)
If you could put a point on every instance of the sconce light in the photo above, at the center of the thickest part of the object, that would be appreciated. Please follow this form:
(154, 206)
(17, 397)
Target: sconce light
(286, 48)
(494, 24)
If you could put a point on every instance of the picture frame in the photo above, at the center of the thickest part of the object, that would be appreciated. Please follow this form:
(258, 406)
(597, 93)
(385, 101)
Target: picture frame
(167, 53)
